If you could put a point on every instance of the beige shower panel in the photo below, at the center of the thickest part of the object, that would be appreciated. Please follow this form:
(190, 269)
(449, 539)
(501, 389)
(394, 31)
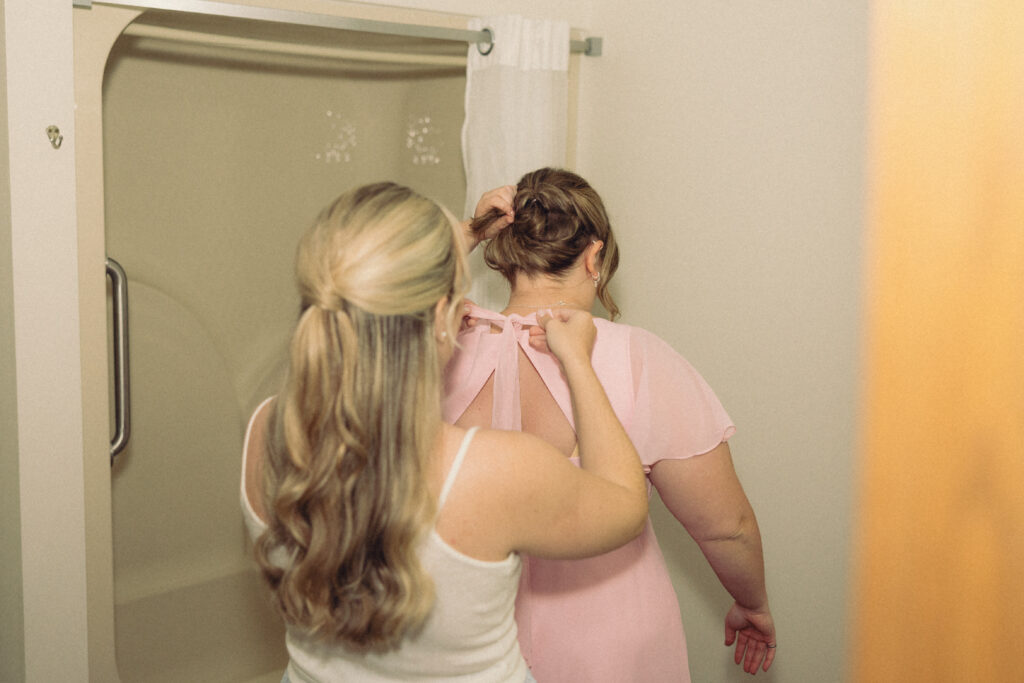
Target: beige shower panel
(198, 167)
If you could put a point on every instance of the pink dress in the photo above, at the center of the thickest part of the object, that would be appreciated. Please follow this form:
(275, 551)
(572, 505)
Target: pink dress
(611, 618)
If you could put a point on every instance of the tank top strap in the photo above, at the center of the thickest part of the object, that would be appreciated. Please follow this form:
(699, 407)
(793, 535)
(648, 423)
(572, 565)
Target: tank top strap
(449, 481)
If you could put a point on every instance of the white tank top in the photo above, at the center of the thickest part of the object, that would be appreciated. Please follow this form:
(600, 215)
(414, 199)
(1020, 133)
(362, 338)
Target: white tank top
(469, 636)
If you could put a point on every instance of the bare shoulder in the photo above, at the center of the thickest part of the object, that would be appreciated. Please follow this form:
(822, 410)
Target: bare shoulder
(509, 456)
(480, 517)
(506, 468)
(258, 428)
(254, 454)
(501, 443)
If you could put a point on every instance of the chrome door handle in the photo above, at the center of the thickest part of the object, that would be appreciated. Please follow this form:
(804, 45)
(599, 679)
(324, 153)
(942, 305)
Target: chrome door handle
(122, 386)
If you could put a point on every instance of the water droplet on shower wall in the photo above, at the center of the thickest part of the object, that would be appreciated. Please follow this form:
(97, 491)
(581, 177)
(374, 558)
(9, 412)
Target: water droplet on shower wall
(341, 138)
(422, 138)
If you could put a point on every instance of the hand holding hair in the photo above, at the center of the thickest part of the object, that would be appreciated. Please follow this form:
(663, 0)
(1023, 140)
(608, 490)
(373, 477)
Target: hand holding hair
(499, 201)
(494, 212)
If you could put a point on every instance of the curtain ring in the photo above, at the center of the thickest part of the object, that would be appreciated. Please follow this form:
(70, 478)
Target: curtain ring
(490, 43)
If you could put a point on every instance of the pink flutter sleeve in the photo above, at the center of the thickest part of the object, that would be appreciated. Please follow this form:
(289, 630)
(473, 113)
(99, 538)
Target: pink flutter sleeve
(676, 414)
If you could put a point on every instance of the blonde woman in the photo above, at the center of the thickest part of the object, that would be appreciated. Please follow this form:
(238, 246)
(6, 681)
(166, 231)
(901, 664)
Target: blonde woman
(611, 618)
(390, 540)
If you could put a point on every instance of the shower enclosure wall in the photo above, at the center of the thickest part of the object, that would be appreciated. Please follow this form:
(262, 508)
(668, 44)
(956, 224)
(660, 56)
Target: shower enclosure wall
(221, 139)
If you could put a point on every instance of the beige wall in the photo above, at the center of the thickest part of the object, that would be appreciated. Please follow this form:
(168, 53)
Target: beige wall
(44, 291)
(12, 641)
(727, 140)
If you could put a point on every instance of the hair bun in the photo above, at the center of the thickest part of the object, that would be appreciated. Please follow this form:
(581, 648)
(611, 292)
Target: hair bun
(557, 216)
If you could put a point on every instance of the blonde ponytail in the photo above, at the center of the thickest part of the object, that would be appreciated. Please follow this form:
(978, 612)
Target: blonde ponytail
(358, 418)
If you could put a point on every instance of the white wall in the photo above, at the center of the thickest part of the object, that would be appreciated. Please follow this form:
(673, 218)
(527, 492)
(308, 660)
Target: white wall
(727, 141)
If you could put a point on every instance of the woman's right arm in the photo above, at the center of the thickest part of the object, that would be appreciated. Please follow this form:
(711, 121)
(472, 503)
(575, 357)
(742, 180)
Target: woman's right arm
(599, 433)
(562, 511)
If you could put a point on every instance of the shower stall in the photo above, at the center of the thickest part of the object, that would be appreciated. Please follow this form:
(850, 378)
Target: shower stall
(215, 141)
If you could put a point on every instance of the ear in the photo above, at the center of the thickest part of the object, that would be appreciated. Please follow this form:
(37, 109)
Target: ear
(441, 320)
(592, 257)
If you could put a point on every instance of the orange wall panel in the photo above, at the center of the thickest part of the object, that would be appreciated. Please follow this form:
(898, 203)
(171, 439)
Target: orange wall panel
(939, 547)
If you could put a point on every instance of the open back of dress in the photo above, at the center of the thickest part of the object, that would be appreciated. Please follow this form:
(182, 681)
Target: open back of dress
(528, 406)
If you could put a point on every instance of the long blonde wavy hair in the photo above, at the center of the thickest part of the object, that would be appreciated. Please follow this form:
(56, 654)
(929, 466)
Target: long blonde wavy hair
(358, 418)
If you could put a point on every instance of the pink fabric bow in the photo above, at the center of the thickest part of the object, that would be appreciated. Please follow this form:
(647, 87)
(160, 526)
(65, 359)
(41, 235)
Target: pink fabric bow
(502, 358)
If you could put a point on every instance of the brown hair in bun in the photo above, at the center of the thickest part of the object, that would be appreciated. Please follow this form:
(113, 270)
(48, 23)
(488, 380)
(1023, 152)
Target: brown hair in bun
(557, 216)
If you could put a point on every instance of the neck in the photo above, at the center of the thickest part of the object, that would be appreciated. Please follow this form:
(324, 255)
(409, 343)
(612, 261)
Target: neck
(530, 295)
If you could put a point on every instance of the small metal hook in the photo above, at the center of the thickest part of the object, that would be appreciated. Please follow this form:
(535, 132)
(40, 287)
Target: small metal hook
(490, 42)
(53, 132)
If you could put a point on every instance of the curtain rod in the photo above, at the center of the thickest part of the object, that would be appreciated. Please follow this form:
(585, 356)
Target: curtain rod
(484, 39)
(175, 35)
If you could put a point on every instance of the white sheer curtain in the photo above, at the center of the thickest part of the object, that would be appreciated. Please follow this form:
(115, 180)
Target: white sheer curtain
(516, 117)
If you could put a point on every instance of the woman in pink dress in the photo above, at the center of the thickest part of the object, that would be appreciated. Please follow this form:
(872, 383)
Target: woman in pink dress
(613, 617)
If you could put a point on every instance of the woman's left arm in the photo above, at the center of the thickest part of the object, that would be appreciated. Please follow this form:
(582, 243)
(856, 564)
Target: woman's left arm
(705, 495)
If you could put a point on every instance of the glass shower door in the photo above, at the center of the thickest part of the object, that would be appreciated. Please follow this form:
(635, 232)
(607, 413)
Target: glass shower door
(215, 162)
